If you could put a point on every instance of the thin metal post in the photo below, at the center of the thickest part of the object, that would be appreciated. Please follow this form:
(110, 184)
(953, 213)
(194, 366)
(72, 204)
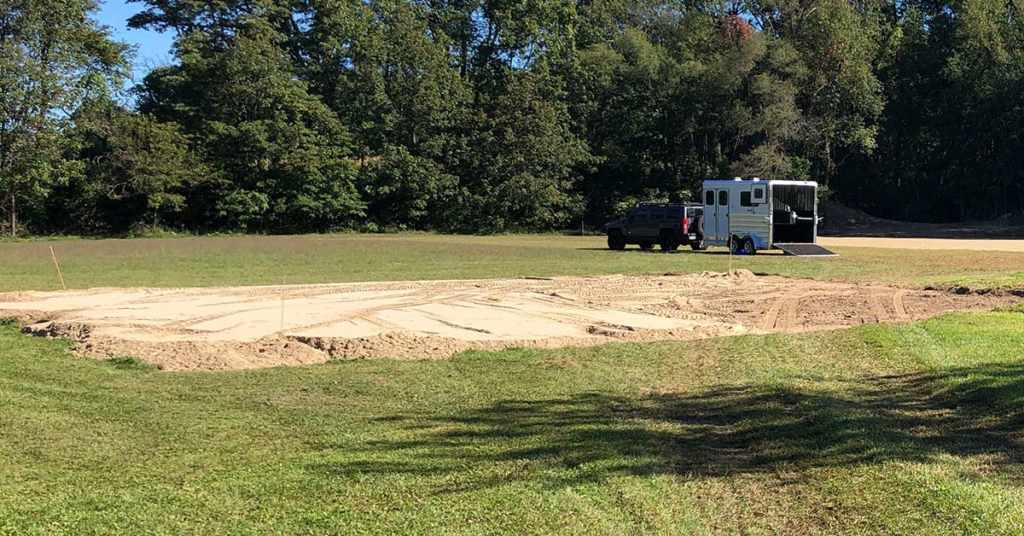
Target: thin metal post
(281, 331)
(57, 266)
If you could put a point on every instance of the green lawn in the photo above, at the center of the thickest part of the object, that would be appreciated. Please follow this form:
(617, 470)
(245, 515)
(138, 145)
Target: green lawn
(912, 429)
(350, 257)
(897, 429)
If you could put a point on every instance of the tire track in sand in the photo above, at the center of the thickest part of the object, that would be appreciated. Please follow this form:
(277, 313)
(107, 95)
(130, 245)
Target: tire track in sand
(898, 306)
(877, 308)
(782, 315)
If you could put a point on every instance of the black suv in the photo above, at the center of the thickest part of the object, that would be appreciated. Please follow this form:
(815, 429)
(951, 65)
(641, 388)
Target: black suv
(667, 224)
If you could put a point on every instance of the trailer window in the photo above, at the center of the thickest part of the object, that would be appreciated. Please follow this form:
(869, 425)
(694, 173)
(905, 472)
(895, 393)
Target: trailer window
(709, 198)
(797, 197)
(745, 199)
(723, 198)
(759, 195)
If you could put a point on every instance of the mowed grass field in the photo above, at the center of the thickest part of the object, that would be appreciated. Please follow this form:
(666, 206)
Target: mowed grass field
(273, 260)
(897, 429)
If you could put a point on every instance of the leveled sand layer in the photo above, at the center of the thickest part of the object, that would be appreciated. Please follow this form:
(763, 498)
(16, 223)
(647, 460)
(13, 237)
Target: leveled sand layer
(246, 327)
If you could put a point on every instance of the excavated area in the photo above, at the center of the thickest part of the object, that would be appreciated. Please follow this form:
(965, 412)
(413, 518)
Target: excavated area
(250, 327)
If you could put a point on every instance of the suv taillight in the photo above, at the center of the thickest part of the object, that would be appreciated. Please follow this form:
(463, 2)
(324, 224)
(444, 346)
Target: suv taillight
(685, 223)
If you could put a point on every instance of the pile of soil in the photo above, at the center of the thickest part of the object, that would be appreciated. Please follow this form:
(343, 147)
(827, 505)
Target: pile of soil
(841, 220)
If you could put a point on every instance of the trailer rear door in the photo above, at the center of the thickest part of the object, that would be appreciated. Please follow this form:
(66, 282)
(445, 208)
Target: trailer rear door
(710, 215)
(722, 214)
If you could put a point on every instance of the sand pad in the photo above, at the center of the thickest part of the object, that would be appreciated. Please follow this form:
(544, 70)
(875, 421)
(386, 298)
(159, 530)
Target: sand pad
(246, 327)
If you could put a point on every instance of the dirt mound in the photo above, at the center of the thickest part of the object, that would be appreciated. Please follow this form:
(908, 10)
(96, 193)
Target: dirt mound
(840, 216)
(247, 327)
(840, 220)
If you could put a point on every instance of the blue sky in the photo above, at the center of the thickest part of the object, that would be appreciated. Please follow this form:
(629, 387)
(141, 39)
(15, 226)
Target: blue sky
(152, 48)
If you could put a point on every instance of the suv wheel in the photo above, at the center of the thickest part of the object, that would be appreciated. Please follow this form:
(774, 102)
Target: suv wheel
(668, 242)
(616, 241)
(646, 246)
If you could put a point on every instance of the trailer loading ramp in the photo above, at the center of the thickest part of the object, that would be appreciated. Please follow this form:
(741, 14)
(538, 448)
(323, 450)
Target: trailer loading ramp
(805, 250)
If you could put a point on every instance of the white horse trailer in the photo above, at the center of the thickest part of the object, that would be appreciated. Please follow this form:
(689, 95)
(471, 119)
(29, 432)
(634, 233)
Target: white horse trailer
(748, 215)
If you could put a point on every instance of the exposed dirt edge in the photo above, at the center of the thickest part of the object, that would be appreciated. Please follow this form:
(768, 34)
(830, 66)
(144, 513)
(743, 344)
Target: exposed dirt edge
(297, 350)
(411, 347)
(961, 290)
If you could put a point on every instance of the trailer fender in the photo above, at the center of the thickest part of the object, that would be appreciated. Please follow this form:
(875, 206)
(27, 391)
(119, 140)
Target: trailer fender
(760, 242)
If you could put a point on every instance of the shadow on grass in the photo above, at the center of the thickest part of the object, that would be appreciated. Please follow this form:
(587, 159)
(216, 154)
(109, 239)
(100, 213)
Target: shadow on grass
(637, 250)
(723, 431)
(682, 251)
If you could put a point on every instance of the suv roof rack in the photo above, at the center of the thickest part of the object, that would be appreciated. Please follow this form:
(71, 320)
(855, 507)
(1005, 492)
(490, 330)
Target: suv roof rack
(648, 203)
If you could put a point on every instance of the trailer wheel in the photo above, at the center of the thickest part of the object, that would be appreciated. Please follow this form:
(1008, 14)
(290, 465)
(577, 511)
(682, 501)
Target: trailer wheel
(735, 245)
(748, 246)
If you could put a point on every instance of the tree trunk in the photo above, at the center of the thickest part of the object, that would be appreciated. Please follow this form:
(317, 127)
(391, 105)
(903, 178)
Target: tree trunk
(828, 162)
(14, 214)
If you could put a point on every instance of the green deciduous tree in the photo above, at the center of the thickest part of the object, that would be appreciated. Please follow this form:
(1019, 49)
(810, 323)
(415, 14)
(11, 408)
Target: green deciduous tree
(134, 170)
(52, 54)
(837, 43)
(407, 191)
(528, 161)
(278, 157)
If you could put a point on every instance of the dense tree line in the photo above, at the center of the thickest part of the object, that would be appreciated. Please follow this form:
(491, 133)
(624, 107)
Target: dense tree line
(489, 115)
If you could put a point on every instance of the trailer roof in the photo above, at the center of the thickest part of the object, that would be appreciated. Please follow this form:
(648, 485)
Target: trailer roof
(720, 182)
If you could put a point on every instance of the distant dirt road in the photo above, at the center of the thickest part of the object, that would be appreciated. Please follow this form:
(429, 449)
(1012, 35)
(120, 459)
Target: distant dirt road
(1016, 246)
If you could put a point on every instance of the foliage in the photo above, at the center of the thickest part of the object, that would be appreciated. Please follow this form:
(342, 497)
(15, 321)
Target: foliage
(950, 144)
(407, 191)
(524, 172)
(134, 170)
(278, 157)
(488, 115)
(52, 55)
